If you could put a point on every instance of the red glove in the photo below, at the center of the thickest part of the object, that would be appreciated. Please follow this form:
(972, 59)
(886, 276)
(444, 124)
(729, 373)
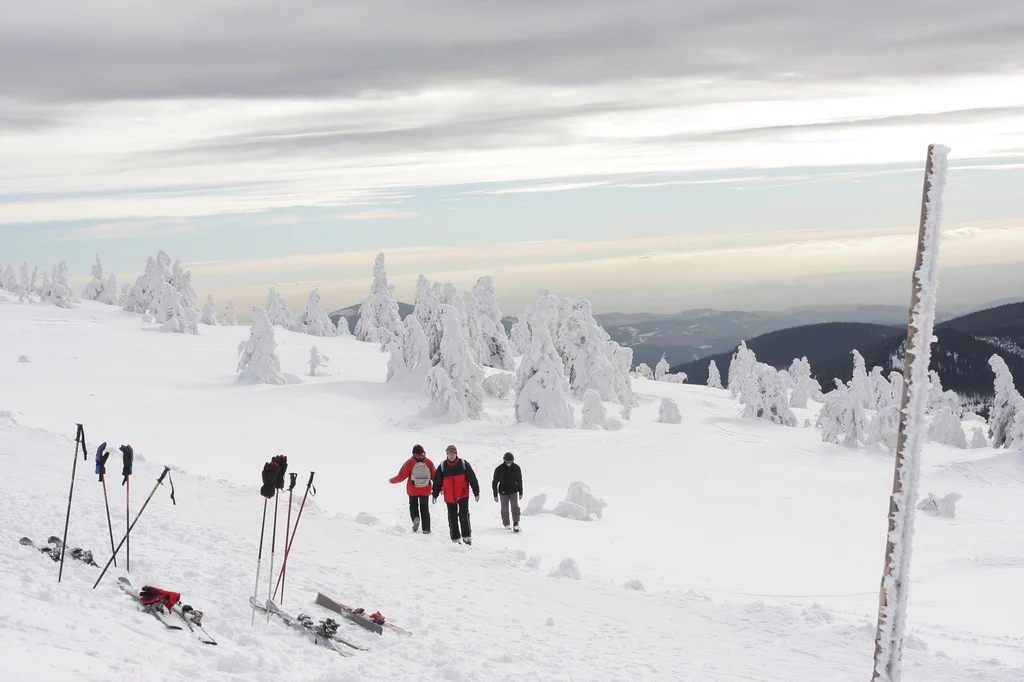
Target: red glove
(150, 595)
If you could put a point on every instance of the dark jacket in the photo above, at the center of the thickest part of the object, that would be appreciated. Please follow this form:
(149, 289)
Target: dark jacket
(508, 480)
(455, 478)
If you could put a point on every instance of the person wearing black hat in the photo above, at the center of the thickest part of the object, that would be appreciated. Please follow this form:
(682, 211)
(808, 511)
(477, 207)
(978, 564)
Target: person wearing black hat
(507, 485)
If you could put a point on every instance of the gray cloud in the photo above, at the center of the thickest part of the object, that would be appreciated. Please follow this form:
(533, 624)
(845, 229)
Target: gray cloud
(69, 51)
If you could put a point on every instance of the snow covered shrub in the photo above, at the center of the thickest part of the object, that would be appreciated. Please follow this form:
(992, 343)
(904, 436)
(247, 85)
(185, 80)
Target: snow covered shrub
(343, 329)
(661, 369)
(579, 493)
(258, 362)
(231, 314)
(739, 367)
(633, 584)
(947, 429)
(277, 310)
(499, 384)
(763, 396)
(677, 378)
(100, 289)
(644, 372)
(978, 439)
(425, 304)
(1006, 404)
(10, 282)
(462, 372)
(23, 358)
(471, 326)
(668, 412)
(568, 568)
(880, 390)
(842, 419)
(588, 353)
(316, 361)
(409, 357)
(169, 312)
(312, 319)
(57, 289)
(379, 310)
(535, 505)
(570, 510)
(883, 429)
(594, 414)
(940, 506)
(497, 350)
(542, 391)
(209, 312)
(714, 377)
(543, 312)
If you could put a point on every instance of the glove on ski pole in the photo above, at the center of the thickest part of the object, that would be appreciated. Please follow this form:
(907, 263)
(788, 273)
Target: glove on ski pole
(269, 479)
(128, 460)
(101, 460)
(282, 466)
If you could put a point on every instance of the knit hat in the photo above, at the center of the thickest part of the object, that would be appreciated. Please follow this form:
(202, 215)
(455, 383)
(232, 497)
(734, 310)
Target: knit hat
(451, 448)
(418, 450)
(509, 458)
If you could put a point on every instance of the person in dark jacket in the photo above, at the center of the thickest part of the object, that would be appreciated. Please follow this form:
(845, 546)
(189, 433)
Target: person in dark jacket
(455, 477)
(508, 485)
(420, 472)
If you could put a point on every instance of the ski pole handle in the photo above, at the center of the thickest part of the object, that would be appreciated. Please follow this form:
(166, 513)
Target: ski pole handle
(291, 483)
(310, 482)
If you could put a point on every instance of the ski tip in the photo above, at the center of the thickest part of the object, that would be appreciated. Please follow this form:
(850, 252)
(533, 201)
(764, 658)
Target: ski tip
(26, 541)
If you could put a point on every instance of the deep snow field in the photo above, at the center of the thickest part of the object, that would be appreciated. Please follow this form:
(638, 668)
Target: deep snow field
(760, 548)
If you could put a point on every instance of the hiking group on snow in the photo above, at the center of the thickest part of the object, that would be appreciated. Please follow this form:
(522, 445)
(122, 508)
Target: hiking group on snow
(456, 478)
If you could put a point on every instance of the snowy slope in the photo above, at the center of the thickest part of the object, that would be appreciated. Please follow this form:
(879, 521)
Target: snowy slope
(759, 546)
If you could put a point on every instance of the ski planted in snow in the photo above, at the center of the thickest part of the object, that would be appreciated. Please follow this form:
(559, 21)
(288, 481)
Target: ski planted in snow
(323, 633)
(83, 555)
(157, 610)
(373, 622)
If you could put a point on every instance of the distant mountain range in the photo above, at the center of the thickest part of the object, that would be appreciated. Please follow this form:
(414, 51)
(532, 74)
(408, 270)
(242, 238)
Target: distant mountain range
(960, 355)
(351, 313)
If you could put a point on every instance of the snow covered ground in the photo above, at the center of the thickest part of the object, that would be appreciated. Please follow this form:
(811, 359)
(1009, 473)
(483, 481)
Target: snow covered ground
(759, 547)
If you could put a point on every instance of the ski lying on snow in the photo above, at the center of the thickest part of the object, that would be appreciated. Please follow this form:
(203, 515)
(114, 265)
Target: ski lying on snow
(82, 555)
(158, 611)
(321, 634)
(359, 616)
(193, 620)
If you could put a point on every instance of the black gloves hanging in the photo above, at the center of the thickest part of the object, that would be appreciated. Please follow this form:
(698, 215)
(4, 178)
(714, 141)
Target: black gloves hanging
(269, 479)
(282, 467)
(128, 459)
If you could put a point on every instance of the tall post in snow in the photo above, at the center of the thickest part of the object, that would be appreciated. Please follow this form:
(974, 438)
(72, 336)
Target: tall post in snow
(892, 609)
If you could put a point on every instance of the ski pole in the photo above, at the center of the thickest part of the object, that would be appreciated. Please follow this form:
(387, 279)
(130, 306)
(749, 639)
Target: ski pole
(128, 461)
(273, 542)
(291, 540)
(79, 440)
(101, 471)
(287, 524)
(259, 560)
(159, 482)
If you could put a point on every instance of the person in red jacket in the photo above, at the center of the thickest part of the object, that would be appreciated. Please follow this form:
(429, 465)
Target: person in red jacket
(455, 477)
(420, 472)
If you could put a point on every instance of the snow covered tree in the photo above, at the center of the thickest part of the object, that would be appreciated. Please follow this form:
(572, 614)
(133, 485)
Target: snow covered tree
(714, 377)
(764, 397)
(461, 371)
(676, 378)
(587, 353)
(661, 369)
(518, 335)
(936, 394)
(9, 280)
(312, 319)
(471, 327)
(668, 412)
(542, 391)
(947, 429)
(26, 287)
(209, 312)
(881, 389)
(978, 439)
(859, 384)
(277, 310)
(883, 429)
(742, 362)
(231, 314)
(497, 350)
(316, 361)
(343, 329)
(169, 312)
(100, 289)
(499, 384)
(258, 361)
(543, 312)
(622, 359)
(379, 310)
(804, 387)
(1006, 404)
(56, 288)
(594, 415)
(842, 419)
(425, 303)
(644, 372)
(409, 356)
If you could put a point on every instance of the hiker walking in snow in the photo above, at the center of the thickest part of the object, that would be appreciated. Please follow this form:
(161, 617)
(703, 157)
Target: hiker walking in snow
(456, 477)
(508, 484)
(420, 472)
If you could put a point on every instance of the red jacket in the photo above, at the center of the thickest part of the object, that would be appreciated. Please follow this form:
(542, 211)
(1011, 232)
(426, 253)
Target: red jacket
(406, 473)
(455, 478)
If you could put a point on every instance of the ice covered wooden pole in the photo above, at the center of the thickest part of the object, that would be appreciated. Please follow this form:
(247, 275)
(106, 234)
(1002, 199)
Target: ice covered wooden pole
(892, 610)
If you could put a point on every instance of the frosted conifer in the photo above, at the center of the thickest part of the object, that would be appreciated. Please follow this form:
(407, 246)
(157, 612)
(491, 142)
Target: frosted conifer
(209, 312)
(231, 314)
(258, 361)
(714, 377)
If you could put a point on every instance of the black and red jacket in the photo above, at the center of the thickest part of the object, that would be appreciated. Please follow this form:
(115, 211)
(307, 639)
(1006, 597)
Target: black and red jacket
(455, 478)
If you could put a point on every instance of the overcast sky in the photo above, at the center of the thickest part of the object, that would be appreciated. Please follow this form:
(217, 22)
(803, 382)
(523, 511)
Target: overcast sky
(649, 155)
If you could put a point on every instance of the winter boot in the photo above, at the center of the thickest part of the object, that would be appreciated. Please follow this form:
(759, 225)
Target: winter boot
(508, 527)
(516, 528)
(468, 540)
(415, 524)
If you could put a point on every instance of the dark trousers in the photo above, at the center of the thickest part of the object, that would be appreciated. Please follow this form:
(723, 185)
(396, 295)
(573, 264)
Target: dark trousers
(419, 508)
(458, 515)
